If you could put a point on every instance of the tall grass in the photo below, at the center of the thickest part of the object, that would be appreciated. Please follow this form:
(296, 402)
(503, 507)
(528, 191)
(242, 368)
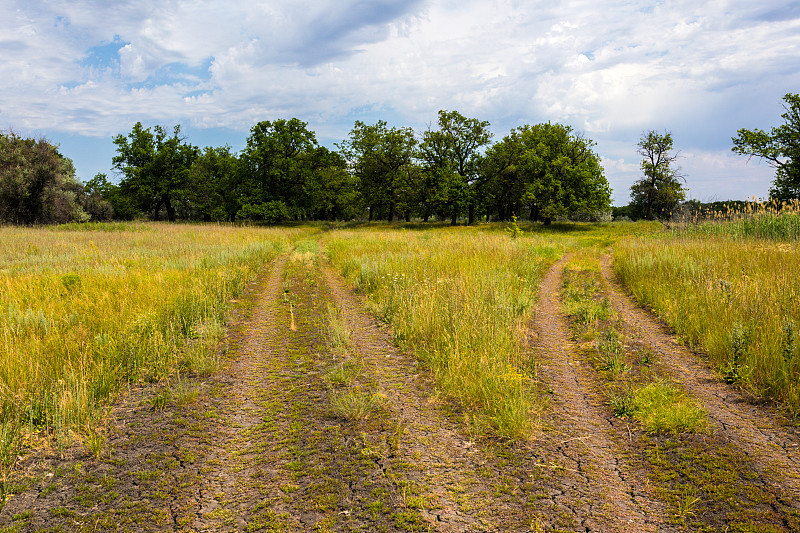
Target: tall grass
(736, 298)
(755, 219)
(83, 311)
(460, 300)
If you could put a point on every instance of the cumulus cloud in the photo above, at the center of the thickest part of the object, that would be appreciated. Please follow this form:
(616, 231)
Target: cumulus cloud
(611, 69)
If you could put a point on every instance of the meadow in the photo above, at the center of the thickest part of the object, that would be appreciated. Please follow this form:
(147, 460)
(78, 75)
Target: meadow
(86, 309)
(730, 288)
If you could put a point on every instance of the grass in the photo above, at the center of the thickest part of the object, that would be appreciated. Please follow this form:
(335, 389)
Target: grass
(660, 407)
(632, 390)
(86, 308)
(459, 299)
(735, 298)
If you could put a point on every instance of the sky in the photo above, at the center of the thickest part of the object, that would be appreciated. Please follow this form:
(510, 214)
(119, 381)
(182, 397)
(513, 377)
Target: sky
(79, 72)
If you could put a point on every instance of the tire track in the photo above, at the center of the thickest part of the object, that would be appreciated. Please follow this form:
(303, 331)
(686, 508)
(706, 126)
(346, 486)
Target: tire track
(582, 436)
(445, 460)
(774, 449)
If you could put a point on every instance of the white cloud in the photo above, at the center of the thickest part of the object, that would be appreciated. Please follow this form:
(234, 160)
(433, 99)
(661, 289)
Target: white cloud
(612, 69)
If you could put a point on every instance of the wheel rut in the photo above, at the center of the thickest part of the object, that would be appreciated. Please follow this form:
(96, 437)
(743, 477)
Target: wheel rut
(582, 438)
(462, 480)
(774, 449)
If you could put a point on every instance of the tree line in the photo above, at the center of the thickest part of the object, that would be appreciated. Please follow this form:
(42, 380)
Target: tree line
(450, 172)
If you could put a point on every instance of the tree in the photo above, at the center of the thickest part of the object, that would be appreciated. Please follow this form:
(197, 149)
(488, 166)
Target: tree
(211, 186)
(451, 156)
(332, 191)
(155, 168)
(37, 183)
(547, 167)
(382, 159)
(275, 166)
(659, 191)
(780, 147)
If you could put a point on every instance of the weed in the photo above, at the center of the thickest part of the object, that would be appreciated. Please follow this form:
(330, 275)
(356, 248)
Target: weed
(622, 404)
(356, 404)
(646, 356)
(94, 440)
(662, 408)
(612, 350)
(338, 332)
(341, 374)
(513, 230)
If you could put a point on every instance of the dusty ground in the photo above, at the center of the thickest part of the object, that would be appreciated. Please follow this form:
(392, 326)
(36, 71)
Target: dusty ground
(296, 433)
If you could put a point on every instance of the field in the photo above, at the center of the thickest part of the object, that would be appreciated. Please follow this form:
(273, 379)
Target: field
(400, 377)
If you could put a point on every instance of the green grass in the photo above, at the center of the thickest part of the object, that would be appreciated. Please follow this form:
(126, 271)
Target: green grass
(734, 298)
(86, 308)
(459, 299)
(661, 407)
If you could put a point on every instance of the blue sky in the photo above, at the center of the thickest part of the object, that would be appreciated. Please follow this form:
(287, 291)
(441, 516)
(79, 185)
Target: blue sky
(82, 71)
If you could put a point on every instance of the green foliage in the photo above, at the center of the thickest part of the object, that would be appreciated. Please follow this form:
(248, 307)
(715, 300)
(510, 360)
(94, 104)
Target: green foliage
(451, 162)
(659, 191)
(269, 212)
(780, 148)
(283, 164)
(37, 183)
(382, 159)
(155, 168)
(211, 186)
(547, 168)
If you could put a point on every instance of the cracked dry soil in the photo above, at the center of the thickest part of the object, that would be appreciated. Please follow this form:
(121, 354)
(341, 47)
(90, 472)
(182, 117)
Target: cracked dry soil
(760, 432)
(260, 447)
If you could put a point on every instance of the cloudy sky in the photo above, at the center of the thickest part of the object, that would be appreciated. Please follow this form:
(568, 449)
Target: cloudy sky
(81, 71)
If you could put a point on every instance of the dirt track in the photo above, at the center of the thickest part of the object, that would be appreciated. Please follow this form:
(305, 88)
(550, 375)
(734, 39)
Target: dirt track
(774, 449)
(261, 447)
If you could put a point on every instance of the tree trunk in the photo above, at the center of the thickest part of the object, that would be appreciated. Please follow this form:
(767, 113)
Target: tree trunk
(454, 217)
(170, 209)
(471, 214)
(371, 209)
(391, 212)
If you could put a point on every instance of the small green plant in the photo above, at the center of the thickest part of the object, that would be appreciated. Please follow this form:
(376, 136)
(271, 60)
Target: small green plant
(621, 404)
(646, 356)
(661, 408)
(94, 440)
(338, 332)
(341, 374)
(513, 228)
(686, 504)
(735, 371)
(612, 350)
(159, 401)
(356, 404)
